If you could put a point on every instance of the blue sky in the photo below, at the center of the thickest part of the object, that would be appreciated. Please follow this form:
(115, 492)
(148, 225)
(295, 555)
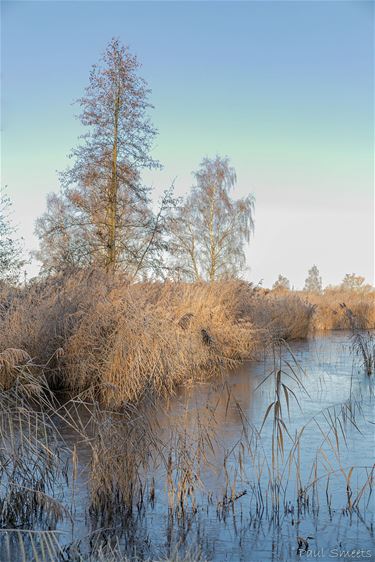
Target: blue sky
(285, 89)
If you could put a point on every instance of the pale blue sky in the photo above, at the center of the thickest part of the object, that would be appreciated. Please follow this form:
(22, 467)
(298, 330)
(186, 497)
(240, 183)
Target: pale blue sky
(285, 89)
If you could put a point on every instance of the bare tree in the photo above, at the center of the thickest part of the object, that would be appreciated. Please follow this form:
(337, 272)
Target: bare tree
(209, 229)
(104, 214)
(184, 242)
(64, 244)
(11, 260)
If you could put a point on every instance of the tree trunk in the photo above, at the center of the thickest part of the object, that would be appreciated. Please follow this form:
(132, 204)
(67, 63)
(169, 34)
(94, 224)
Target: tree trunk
(212, 267)
(112, 257)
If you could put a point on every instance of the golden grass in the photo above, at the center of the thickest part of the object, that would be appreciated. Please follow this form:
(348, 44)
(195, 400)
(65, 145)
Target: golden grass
(148, 338)
(331, 316)
(127, 341)
(284, 315)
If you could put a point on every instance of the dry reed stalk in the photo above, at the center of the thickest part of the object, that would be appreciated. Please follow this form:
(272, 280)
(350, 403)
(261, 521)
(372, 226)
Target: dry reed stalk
(30, 464)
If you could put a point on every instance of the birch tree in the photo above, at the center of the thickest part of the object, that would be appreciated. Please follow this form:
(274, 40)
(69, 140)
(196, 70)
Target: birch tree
(210, 228)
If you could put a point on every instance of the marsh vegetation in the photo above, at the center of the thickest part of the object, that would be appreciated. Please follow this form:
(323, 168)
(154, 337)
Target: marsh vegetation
(280, 449)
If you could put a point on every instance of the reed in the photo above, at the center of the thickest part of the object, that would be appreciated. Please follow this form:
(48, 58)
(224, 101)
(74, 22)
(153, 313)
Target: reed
(44, 546)
(280, 315)
(363, 342)
(330, 315)
(125, 341)
(30, 463)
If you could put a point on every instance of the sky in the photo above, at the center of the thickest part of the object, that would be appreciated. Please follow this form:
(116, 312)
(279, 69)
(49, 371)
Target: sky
(285, 89)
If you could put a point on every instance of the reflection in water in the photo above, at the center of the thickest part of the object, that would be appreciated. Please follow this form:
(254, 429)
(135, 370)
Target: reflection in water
(245, 468)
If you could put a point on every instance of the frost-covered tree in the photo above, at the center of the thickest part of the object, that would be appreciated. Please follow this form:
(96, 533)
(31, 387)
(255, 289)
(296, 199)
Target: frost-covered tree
(313, 282)
(11, 260)
(281, 283)
(353, 282)
(210, 228)
(103, 215)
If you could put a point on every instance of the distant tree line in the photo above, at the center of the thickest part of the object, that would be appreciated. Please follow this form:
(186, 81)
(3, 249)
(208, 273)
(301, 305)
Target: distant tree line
(313, 283)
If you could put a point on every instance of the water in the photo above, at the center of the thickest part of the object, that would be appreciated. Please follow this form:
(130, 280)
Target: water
(332, 387)
(208, 437)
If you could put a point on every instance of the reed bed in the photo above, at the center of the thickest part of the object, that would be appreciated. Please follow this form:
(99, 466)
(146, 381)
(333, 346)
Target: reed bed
(331, 316)
(363, 342)
(280, 315)
(129, 341)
